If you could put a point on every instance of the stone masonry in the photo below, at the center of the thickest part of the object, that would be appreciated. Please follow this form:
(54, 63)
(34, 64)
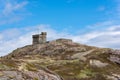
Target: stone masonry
(39, 38)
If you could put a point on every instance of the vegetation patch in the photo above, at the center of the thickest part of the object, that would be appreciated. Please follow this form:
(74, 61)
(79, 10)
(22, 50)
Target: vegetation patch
(31, 67)
(86, 73)
(35, 79)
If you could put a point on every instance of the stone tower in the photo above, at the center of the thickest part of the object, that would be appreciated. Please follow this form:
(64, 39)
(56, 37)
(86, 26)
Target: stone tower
(39, 38)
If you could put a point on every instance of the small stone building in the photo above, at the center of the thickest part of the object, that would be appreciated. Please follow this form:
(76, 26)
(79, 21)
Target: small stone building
(64, 40)
(39, 38)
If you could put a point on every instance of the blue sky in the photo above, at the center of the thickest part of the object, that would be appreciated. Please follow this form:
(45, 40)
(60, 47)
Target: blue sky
(92, 22)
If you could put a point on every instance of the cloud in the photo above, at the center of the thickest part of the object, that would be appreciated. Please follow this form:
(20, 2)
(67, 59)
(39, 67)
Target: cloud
(114, 28)
(9, 41)
(12, 11)
(18, 37)
(10, 20)
(105, 34)
(101, 24)
(12, 7)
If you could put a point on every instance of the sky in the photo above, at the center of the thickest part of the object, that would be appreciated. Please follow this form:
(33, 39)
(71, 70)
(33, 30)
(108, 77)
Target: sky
(90, 22)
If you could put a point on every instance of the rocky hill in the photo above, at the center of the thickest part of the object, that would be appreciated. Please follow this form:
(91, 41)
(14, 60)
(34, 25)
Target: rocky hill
(61, 59)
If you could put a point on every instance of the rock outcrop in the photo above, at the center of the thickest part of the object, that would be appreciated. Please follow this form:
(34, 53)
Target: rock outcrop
(60, 59)
(28, 75)
(115, 56)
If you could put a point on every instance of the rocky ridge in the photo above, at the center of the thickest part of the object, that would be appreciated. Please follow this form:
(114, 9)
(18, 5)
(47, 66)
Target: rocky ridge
(61, 59)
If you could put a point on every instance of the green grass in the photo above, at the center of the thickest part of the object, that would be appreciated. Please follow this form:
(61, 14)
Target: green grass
(86, 73)
(31, 67)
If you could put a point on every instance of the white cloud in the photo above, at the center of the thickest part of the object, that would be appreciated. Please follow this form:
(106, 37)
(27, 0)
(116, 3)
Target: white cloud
(101, 24)
(114, 28)
(110, 37)
(13, 19)
(12, 7)
(12, 11)
(23, 36)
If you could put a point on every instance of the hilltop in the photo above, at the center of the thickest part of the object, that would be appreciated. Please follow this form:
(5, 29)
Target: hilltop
(61, 59)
